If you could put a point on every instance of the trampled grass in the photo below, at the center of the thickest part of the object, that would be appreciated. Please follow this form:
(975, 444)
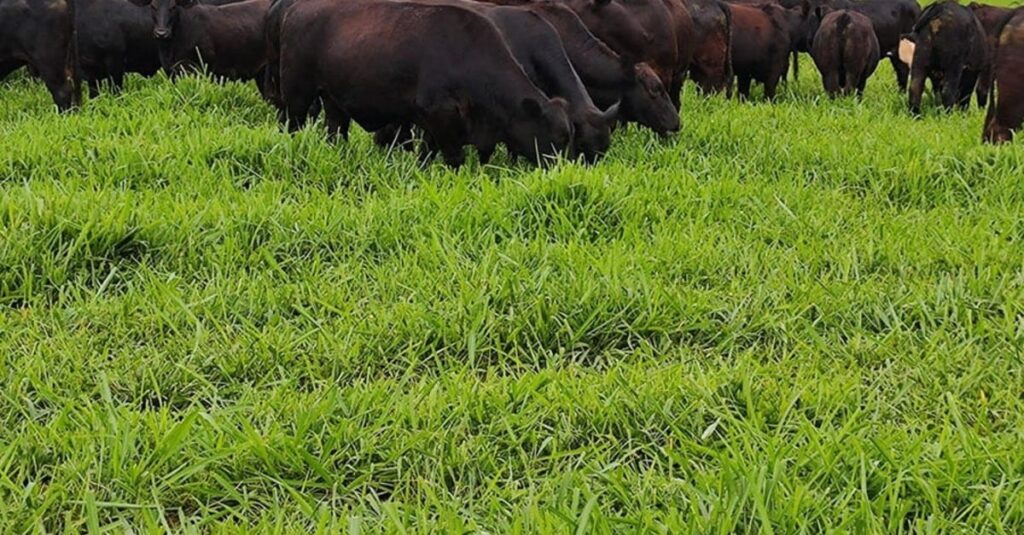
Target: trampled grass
(799, 317)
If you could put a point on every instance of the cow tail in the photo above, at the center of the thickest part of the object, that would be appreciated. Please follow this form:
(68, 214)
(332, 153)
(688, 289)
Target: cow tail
(841, 26)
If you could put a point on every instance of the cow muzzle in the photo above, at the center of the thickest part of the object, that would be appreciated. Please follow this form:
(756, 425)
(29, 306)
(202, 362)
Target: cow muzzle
(162, 33)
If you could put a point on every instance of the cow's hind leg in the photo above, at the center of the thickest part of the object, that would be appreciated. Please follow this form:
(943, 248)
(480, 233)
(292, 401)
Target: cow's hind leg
(743, 87)
(950, 91)
(338, 121)
(968, 82)
(917, 80)
(830, 80)
(902, 71)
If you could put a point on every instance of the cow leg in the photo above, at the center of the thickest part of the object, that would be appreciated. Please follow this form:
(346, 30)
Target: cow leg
(394, 136)
(984, 84)
(7, 67)
(917, 79)
(743, 87)
(968, 82)
(772, 83)
(951, 87)
(861, 85)
(337, 120)
(902, 71)
(831, 82)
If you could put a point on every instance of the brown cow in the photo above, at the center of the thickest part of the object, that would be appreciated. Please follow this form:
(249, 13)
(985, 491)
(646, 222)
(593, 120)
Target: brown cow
(711, 66)
(992, 19)
(1006, 110)
(845, 50)
(763, 37)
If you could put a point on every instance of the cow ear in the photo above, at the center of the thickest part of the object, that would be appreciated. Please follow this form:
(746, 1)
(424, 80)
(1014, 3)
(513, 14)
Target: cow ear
(598, 4)
(532, 107)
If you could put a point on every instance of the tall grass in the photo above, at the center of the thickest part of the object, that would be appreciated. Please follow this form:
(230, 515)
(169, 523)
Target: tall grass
(798, 317)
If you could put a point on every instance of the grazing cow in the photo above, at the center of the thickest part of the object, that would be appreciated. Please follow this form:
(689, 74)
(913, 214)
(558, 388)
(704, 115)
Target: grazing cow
(949, 48)
(890, 20)
(40, 34)
(711, 67)
(227, 38)
(608, 76)
(1006, 110)
(382, 62)
(638, 29)
(763, 37)
(992, 19)
(538, 48)
(845, 50)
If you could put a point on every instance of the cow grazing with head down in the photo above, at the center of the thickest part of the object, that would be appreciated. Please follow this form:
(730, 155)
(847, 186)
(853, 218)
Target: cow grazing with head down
(381, 62)
(845, 50)
(947, 46)
(642, 30)
(611, 77)
(1006, 109)
(226, 36)
(763, 37)
(538, 48)
(711, 66)
(40, 34)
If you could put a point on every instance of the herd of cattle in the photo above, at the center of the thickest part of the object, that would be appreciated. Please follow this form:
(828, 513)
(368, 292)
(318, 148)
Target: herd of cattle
(540, 77)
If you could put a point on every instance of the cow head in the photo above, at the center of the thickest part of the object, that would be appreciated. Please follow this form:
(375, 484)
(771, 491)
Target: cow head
(645, 100)
(165, 15)
(592, 130)
(539, 128)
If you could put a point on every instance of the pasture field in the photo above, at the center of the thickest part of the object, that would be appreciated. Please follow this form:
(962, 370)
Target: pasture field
(799, 317)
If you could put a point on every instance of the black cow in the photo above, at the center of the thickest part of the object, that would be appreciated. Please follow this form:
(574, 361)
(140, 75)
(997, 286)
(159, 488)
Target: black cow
(949, 48)
(609, 77)
(114, 38)
(40, 34)
(537, 47)
(384, 62)
(1006, 110)
(228, 38)
(845, 50)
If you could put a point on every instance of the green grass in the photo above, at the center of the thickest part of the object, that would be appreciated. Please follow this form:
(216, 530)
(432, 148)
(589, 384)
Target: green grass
(799, 317)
